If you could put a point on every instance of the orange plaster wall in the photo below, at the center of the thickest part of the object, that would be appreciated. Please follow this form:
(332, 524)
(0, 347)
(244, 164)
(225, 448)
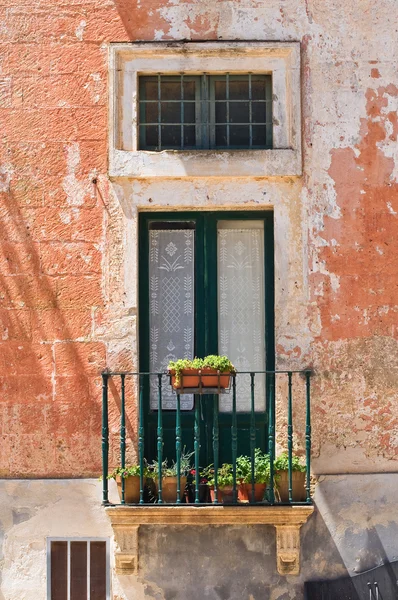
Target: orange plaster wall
(53, 114)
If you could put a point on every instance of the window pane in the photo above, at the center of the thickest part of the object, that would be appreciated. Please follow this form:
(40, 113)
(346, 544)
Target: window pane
(238, 90)
(239, 135)
(59, 570)
(258, 88)
(148, 88)
(170, 112)
(220, 89)
(171, 306)
(98, 568)
(171, 136)
(221, 135)
(149, 136)
(259, 135)
(150, 112)
(189, 90)
(239, 112)
(258, 112)
(78, 570)
(221, 112)
(241, 307)
(189, 112)
(237, 100)
(170, 90)
(189, 135)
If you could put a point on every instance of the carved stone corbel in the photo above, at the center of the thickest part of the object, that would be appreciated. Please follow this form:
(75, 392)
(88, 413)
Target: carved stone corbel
(126, 555)
(287, 521)
(288, 549)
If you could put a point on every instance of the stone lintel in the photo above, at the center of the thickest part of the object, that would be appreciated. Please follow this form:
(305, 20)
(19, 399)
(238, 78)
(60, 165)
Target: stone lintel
(287, 521)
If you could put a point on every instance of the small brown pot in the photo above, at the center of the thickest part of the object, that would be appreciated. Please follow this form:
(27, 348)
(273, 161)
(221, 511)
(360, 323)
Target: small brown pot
(245, 492)
(169, 488)
(190, 378)
(299, 493)
(225, 494)
(131, 488)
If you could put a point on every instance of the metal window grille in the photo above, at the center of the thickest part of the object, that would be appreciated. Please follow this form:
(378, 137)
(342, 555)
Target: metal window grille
(223, 112)
(78, 569)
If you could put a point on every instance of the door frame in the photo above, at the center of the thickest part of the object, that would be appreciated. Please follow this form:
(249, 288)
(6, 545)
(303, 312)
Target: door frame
(205, 269)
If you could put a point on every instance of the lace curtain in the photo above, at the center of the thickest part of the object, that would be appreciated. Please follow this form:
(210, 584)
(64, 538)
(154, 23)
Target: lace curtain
(171, 291)
(241, 307)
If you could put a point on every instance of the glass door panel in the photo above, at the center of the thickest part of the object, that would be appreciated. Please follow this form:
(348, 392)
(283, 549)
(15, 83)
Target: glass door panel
(241, 307)
(171, 305)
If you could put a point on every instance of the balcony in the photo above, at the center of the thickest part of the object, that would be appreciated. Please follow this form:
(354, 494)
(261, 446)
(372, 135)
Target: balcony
(206, 422)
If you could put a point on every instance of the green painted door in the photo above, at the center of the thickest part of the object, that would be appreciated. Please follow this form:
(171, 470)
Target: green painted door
(206, 287)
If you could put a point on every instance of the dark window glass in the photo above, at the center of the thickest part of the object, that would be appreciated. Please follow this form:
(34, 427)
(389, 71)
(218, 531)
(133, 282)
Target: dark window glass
(97, 571)
(78, 570)
(189, 112)
(59, 570)
(239, 135)
(180, 112)
(171, 136)
(170, 112)
(189, 137)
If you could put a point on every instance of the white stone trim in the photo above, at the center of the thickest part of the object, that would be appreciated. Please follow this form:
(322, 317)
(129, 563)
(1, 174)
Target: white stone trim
(127, 61)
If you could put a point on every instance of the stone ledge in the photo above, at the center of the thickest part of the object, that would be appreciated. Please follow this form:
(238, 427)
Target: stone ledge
(287, 521)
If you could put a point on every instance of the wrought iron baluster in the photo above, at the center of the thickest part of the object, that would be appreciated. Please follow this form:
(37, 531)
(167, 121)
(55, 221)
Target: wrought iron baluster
(215, 446)
(234, 437)
(105, 438)
(271, 437)
(197, 448)
(160, 439)
(252, 436)
(123, 432)
(141, 436)
(178, 448)
(308, 435)
(290, 434)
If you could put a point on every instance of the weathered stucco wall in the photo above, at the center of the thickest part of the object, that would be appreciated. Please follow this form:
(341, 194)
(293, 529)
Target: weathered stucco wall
(343, 537)
(68, 294)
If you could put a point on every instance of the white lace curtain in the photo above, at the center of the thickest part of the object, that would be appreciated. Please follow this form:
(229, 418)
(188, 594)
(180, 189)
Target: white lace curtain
(171, 291)
(241, 319)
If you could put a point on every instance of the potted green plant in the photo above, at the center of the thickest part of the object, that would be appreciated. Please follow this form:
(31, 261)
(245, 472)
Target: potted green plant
(261, 476)
(225, 482)
(169, 476)
(281, 469)
(131, 476)
(213, 371)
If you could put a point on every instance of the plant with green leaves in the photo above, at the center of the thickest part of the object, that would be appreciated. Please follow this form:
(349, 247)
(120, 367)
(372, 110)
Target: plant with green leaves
(212, 361)
(170, 470)
(261, 468)
(225, 477)
(128, 471)
(282, 463)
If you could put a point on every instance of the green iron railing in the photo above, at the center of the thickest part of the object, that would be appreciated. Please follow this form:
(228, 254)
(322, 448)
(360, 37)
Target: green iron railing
(271, 495)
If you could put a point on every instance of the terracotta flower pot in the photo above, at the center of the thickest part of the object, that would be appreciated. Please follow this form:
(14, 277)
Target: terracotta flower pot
(245, 492)
(131, 488)
(299, 493)
(169, 488)
(190, 378)
(225, 494)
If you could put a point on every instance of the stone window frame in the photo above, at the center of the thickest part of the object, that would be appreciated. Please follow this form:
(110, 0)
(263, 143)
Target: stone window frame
(128, 61)
(88, 540)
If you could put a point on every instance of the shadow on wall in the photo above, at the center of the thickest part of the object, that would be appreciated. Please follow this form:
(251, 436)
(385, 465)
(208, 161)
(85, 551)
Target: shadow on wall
(137, 19)
(50, 386)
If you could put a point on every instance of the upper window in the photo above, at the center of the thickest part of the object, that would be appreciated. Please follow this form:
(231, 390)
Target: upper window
(209, 109)
(184, 112)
